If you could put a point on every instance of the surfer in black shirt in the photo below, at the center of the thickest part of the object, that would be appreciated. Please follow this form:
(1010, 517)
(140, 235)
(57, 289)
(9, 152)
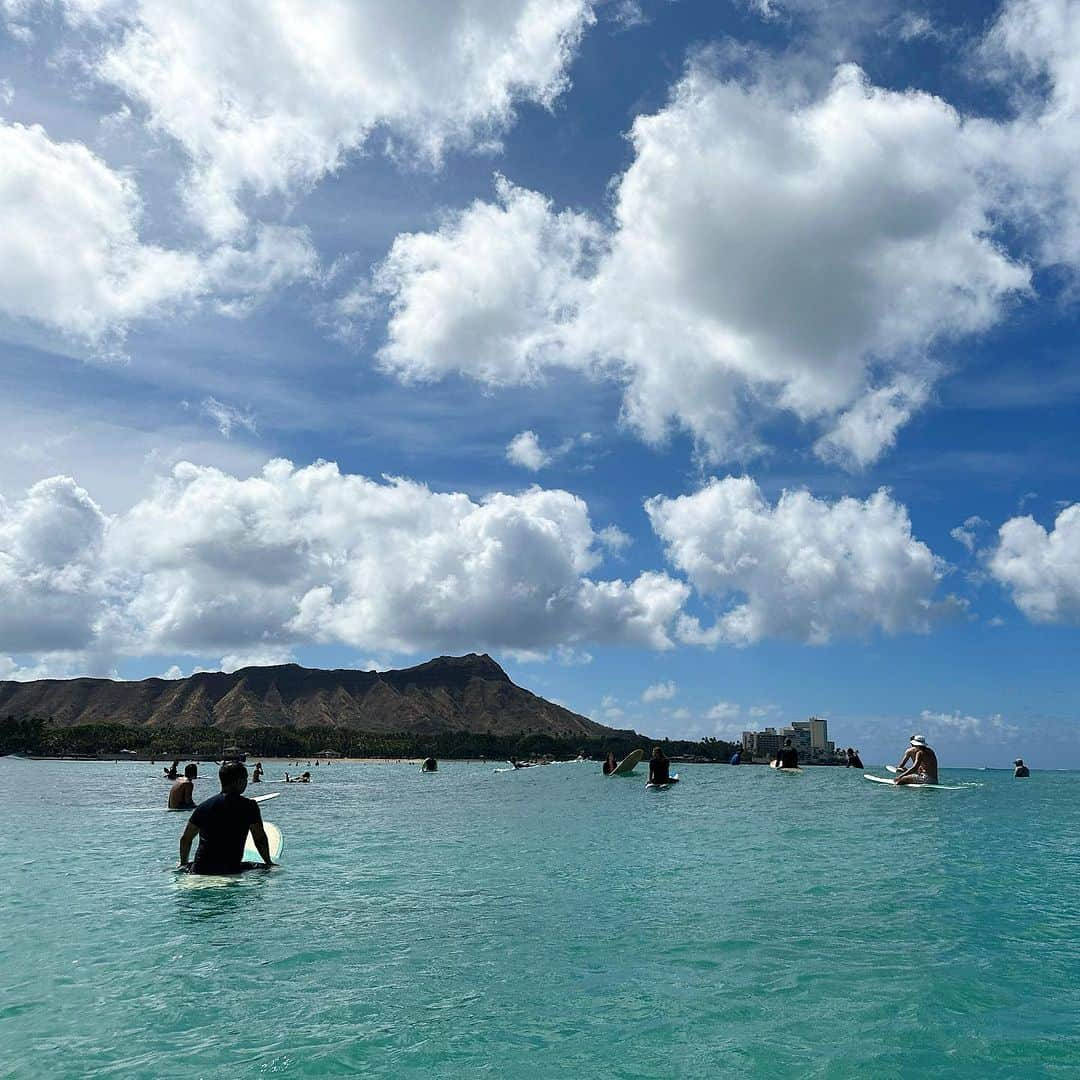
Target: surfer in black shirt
(222, 824)
(787, 757)
(659, 767)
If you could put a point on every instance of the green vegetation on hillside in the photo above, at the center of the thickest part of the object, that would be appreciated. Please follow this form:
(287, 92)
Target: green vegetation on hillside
(38, 736)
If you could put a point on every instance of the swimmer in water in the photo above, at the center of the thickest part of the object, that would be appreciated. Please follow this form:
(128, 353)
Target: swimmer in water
(924, 764)
(182, 793)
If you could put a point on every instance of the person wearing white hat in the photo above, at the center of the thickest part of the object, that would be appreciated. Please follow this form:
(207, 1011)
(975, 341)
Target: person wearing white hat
(923, 768)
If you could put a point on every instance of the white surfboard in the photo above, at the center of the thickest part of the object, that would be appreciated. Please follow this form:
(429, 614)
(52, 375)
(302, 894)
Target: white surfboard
(891, 768)
(661, 787)
(893, 783)
(273, 834)
(776, 768)
(628, 763)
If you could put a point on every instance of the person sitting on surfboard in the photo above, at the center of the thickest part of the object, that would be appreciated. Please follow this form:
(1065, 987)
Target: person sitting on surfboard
(1020, 768)
(256, 776)
(182, 793)
(659, 767)
(787, 757)
(924, 766)
(853, 759)
(610, 764)
(171, 773)
(736, 758)
(222, 824)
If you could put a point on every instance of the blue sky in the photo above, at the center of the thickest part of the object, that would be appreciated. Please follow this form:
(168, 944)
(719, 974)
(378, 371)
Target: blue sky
(709, 364)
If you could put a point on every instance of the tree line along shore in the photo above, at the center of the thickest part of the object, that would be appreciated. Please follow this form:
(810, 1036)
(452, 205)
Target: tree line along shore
(39, 737)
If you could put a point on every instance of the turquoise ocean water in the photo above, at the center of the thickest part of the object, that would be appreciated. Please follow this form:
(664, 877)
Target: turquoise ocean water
(547, 923)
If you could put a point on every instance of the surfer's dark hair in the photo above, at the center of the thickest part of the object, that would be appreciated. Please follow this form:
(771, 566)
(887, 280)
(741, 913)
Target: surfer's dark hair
(232, 772)
(191, 770)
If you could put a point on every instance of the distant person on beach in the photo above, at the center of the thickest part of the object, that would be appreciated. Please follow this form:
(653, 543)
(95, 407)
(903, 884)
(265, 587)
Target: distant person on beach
(182, 793)
(924, 764)
(853, 759)
(171, 773)
(222, 824)
(610, 764)
(256, 776)
(659, 767)
(736, 758)
(1020, 769)
(787, 757)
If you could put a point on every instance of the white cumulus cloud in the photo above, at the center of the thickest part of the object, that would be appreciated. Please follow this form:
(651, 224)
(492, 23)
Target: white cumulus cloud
(992, 728)
(524, 449)
(1041, 568)
(72, 259)
(270, 98)
(250, 568)
(51, 569)
(70, 253)
(805, 568)
(806, 255)
(661, 691)
(489, 293)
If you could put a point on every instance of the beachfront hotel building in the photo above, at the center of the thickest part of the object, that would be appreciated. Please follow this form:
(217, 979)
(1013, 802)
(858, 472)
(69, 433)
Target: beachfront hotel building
(810, 737)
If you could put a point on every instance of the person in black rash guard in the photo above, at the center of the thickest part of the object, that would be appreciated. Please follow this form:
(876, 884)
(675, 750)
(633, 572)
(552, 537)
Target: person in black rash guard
(222, 823)
(1020, 769)
(659, 767)
(787, 757)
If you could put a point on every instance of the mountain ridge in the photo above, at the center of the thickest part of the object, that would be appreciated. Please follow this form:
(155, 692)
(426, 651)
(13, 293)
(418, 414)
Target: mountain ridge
(468, 693)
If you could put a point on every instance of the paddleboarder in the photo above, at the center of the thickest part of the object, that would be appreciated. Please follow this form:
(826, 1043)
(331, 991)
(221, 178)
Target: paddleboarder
(182, 793)
(924, 764)
(222, 824)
